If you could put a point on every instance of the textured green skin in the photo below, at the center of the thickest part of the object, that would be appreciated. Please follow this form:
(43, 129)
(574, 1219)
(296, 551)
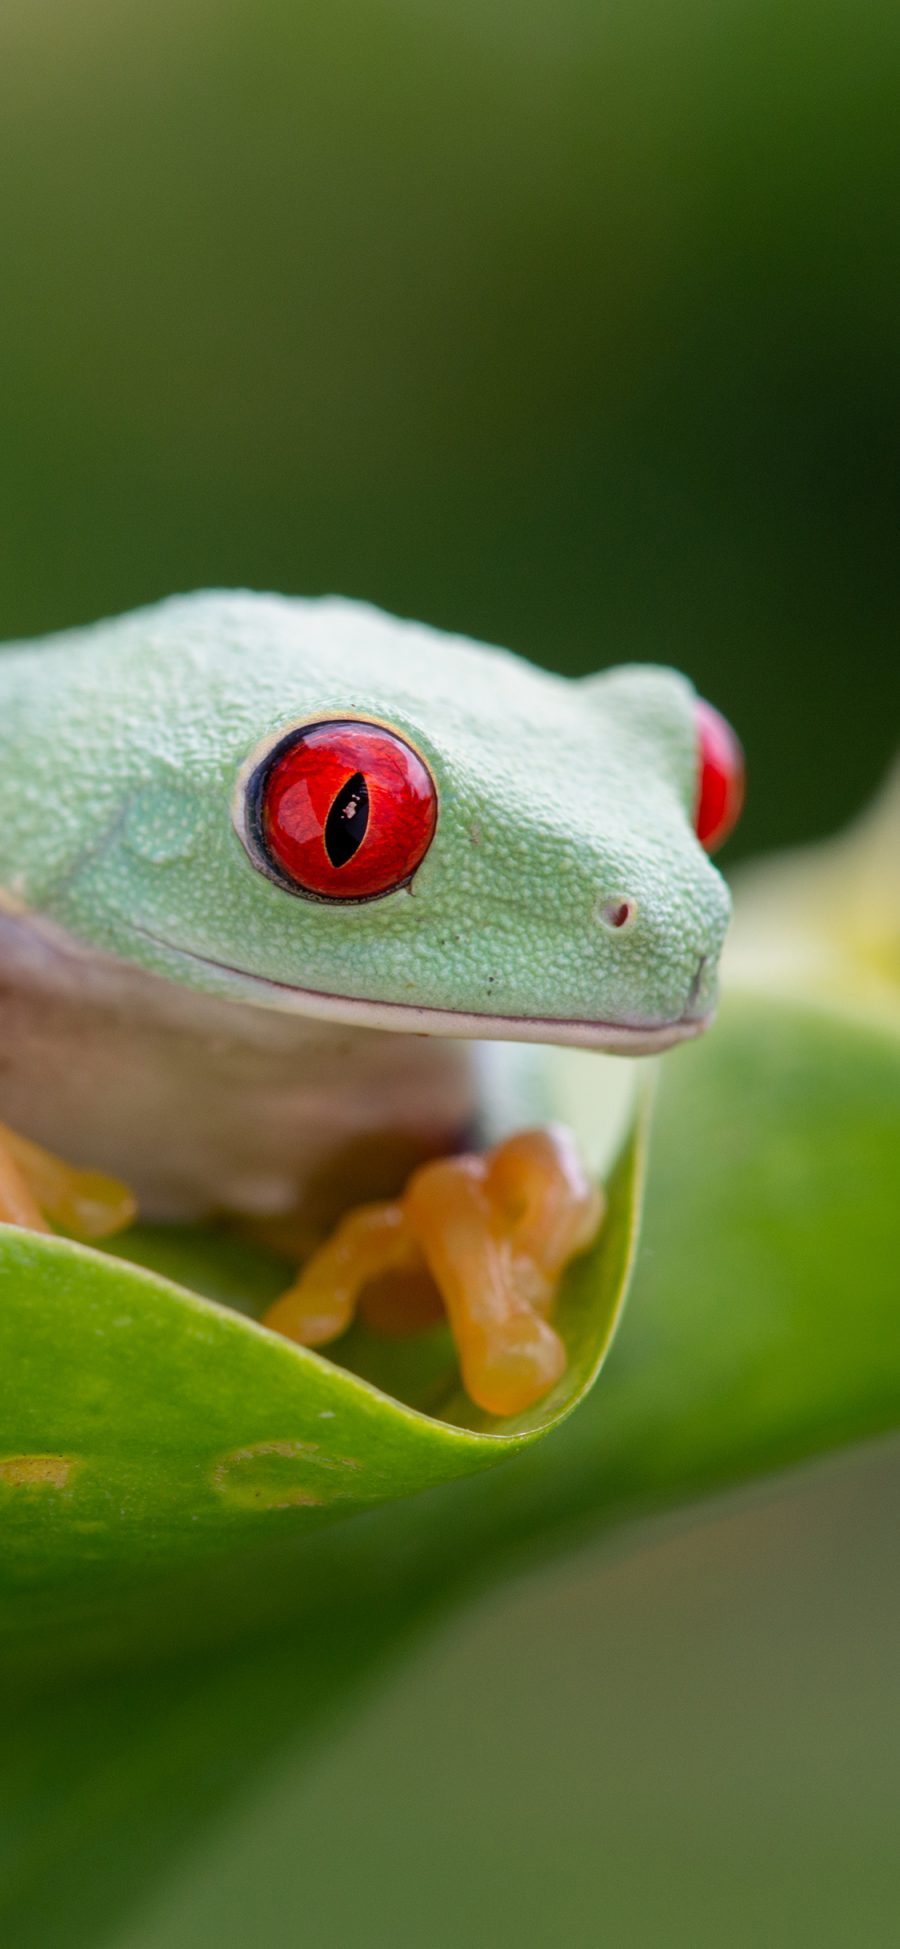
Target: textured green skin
(121, 745)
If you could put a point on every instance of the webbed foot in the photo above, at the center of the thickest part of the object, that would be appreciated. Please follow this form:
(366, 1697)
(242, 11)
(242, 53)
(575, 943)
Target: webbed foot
(42, 1193)
(495, 1232)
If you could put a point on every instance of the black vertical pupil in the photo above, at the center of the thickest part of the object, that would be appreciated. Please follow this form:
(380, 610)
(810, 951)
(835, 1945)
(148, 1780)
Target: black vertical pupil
(345, 826)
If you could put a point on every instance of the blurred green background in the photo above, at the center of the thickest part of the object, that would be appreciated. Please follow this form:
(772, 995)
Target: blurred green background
(691, 1747)
(573, 326)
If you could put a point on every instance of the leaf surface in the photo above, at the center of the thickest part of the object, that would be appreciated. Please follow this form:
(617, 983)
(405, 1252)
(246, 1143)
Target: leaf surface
(144, 1427)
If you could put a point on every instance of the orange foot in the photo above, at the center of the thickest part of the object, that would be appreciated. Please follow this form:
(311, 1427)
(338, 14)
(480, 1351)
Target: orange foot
(40, 1192)
(495, 1232)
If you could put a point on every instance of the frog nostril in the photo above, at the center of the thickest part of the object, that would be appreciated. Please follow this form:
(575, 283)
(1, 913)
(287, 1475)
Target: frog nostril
(618, 914)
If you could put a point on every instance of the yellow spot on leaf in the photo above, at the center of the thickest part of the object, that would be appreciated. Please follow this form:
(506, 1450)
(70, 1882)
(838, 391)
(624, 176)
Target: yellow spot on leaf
(282, 1475)
(36, 1471)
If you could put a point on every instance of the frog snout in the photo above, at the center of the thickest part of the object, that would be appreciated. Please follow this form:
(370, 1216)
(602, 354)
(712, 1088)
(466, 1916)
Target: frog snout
(693, 992)
(700, 992)
(672, 957)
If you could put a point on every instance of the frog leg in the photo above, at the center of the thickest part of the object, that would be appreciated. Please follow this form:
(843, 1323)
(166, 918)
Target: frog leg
(495, 1232)
(551, 1207)
(18, 1204)
(40, 1191)
(367, 1242)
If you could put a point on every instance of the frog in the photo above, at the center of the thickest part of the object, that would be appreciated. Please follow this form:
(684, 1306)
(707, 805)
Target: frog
(274, 871)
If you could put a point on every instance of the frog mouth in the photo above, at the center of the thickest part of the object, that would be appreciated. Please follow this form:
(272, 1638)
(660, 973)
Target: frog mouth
(411, 1018)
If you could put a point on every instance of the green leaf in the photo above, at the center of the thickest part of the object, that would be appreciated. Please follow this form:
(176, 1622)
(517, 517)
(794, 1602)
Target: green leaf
(763, 1327)
(145, 1427)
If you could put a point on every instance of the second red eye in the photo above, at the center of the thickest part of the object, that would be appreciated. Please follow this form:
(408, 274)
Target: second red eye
(720, 777)
(343, 810)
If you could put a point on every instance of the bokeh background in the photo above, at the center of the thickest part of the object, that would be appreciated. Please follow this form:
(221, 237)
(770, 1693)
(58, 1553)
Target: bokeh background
(572, 325)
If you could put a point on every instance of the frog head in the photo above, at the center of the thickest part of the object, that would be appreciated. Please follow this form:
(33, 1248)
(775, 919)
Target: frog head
(311, 806)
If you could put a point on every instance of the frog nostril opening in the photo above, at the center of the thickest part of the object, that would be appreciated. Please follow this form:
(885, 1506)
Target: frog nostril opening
(618, 914)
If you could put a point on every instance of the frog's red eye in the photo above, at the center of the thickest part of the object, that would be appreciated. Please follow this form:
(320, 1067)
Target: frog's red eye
(342, 810)
(720, 777)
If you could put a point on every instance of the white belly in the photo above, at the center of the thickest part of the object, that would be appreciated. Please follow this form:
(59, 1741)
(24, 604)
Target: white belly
(207, 1106)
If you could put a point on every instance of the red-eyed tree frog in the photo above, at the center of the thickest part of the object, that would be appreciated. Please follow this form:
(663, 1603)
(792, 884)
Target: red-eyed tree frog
(269, 868)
